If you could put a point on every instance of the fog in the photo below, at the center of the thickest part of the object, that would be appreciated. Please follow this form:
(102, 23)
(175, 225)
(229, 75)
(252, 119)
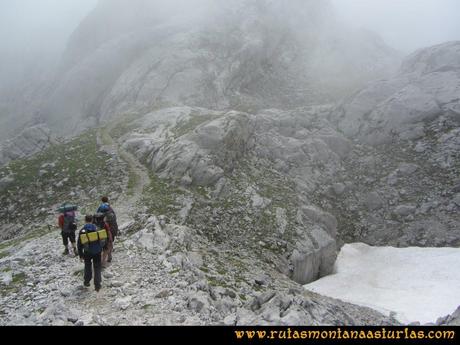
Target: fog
(37, 30)
(31, 27)
(33, 34)
(404, 24)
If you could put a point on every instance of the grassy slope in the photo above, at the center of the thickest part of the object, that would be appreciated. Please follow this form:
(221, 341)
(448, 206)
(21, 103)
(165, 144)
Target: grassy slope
(76, 172)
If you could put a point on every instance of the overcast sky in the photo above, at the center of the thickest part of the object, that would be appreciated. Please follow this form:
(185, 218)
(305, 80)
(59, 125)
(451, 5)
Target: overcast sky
(405, 24)
(27, 25)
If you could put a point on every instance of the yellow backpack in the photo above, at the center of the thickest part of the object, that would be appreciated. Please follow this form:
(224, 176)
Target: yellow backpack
(90, 237)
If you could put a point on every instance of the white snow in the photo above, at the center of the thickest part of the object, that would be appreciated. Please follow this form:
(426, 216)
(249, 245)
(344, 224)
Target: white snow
(418, 284)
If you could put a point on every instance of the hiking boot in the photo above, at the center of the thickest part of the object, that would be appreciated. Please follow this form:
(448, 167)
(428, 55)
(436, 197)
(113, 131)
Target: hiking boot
(75, 251)
(97, 288)
(66, 251)
(86, 284)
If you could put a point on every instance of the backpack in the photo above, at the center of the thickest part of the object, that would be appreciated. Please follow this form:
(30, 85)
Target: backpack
(70, 225)
(98, 220)
(111, 219)
(93, 240)
(67, 208)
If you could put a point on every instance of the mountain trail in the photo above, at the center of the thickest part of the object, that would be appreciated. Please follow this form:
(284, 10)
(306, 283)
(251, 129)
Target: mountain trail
(139, 178)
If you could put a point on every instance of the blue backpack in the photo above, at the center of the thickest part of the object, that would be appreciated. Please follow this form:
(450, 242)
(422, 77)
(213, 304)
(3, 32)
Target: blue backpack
(92, 248)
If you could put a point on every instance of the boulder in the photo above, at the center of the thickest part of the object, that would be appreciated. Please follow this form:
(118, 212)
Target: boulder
(326, 219)
(404, 210)
(426, 87)
(338, 188)
(199, 302)
(30, 141)
(373, 201)
(313, 258)
(407, 169)
(5, 182)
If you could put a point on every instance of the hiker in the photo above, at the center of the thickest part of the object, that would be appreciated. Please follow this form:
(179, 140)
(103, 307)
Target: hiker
(91, 243)
(110, 216)
(67, 224)
(99, 220)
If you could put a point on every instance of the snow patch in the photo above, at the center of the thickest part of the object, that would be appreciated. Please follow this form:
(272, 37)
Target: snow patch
(418, 284)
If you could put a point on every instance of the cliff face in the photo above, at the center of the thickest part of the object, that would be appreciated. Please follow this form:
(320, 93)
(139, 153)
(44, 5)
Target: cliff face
(136, 56)
(426, 87)
(405, 172)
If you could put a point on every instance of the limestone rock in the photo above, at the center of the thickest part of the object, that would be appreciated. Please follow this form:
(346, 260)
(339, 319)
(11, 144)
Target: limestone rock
(427, 86)
(28, 142)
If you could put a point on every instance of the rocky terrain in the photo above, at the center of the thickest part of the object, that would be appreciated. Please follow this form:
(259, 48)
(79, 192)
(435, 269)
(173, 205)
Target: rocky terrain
(402, 187)
(76, 171)
(237, 174)
(30, 141)
(164, 273)
(160, 276)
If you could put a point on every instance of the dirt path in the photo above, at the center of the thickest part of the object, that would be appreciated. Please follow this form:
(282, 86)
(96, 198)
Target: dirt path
(138, 175)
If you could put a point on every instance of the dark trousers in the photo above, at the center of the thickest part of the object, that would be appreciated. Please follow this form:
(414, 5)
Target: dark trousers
(66, 236)
(90, 262)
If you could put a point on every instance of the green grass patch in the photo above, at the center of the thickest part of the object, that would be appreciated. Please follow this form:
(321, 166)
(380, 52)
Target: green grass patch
(204, 269)
(15, 285)
(19, 278)
(133, 181)
(34, 234)
(191, 124)
(146, 306)
(105, 137)
(221, 271)
(79, 272)
(199, 190)
(213, 281)
(124, 125)
(160, 196)
(67, 172)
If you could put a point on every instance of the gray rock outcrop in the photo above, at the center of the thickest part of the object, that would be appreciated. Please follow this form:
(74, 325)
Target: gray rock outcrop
(404, 164)
(207, 149)
(30, 141)
(426, 87)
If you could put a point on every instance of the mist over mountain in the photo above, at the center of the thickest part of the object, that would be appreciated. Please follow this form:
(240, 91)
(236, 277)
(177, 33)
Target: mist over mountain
(246, 54)
(34, 35)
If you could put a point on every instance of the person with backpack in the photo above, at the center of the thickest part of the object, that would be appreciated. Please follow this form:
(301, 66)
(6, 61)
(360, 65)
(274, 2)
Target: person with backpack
(91, 243)
(100, 221)
(68, 225)
(110, 217)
